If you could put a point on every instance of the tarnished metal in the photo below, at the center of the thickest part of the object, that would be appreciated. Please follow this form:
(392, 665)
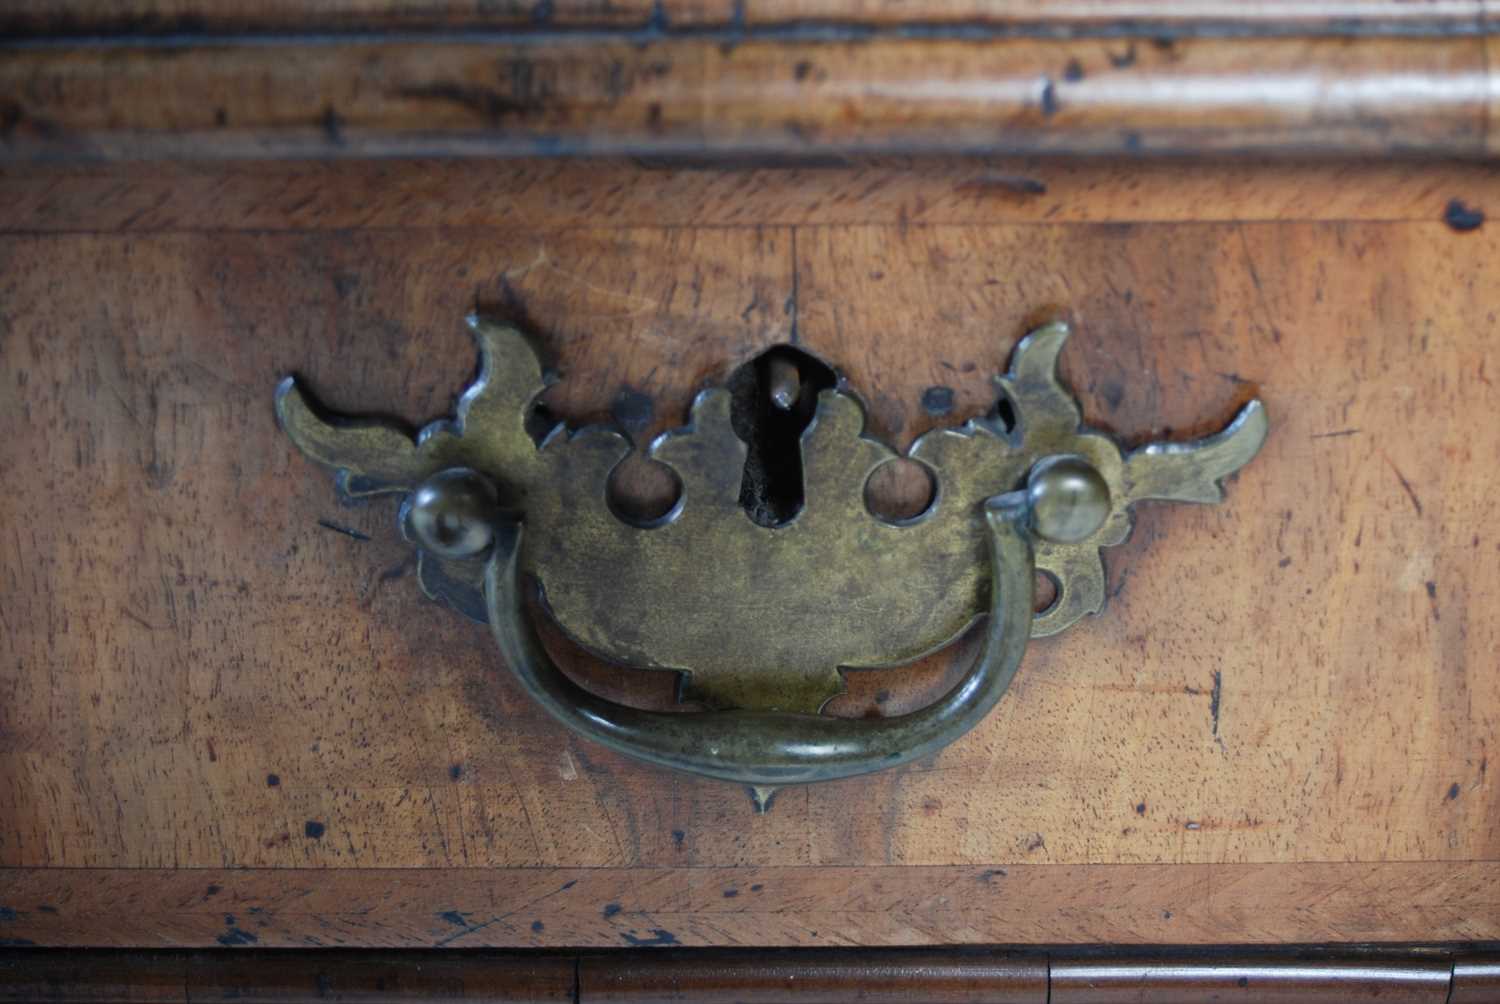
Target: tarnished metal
(1068, 498)
(761, 621)
(452, 514)
(786, 383)
(774, 747)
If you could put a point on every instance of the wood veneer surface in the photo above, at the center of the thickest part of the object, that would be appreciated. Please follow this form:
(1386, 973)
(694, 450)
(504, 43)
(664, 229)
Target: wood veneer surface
(225, 720)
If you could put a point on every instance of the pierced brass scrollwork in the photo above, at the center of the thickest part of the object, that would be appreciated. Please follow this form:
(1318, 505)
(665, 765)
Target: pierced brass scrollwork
(762, 620)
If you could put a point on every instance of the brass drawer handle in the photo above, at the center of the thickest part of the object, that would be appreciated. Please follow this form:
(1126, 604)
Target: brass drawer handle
(761, 603)
(772, 748)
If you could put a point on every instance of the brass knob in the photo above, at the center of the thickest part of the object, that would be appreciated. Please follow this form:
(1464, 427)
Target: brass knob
(452, 514)
(1069, 500)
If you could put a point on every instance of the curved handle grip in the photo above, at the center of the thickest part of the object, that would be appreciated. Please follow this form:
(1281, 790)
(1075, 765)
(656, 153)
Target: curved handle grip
(775, 748)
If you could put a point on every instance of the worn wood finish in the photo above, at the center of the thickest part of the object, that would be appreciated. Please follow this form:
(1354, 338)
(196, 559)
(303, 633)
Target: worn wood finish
(816, 977)
(158, 977)
(1344, 17)
(700, 905)
(747, 94)
(216, 702)
(1052, 16)
(31, 18)
(906, 191)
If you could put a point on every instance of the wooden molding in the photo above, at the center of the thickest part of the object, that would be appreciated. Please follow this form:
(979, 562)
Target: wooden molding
(1043, 17)
(569, 908)
(1075, 86)
(539, 195)
(1412, 975)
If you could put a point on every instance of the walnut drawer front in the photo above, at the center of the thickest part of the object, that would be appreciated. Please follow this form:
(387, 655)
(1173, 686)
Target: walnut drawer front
(230, 719)
(224, 702)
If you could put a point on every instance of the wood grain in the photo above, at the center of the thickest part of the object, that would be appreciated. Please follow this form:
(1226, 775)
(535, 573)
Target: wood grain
(1354, 496)
(31, 18)
(168, 977)
(816, 977)
(1182, 904)
(212, 675)
(1208, 16)
(445, 96)
(903, 191)
(1222, 16)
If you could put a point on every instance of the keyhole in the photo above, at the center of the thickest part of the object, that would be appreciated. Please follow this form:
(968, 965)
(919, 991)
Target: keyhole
(774, 396)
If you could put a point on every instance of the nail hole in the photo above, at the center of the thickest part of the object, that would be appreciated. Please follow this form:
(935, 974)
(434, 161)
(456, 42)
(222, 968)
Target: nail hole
(900, 490)
(643, 492)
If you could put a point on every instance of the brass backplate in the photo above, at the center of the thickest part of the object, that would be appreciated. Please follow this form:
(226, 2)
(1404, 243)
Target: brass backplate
(753, 616)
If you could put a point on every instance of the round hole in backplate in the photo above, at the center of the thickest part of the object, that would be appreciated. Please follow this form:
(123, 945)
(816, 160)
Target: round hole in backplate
(643, 492)
(1045, 597)
(900, 490)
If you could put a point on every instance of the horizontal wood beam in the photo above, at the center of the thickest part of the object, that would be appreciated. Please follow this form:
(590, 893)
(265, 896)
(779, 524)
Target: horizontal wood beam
(1042, 17)
(785, 906)
(745, 91)
(538, 195)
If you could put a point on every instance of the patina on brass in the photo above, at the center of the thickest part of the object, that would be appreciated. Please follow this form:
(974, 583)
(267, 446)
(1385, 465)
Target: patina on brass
(452, 514)
(762, 620)
(769, 748)
(1068, 498)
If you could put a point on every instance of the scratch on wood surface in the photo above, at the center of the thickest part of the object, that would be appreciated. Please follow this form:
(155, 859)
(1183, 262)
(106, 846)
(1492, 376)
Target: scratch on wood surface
(1214, 700)
(521, 271)
(1411, 492)
(536, 843)
(346, 531)
(639, 304)
(1260, 291)
(374, 583)
(143, 622)
(454, 917)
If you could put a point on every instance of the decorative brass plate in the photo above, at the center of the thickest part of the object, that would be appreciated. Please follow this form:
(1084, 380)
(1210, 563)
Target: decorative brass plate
(760, 620)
